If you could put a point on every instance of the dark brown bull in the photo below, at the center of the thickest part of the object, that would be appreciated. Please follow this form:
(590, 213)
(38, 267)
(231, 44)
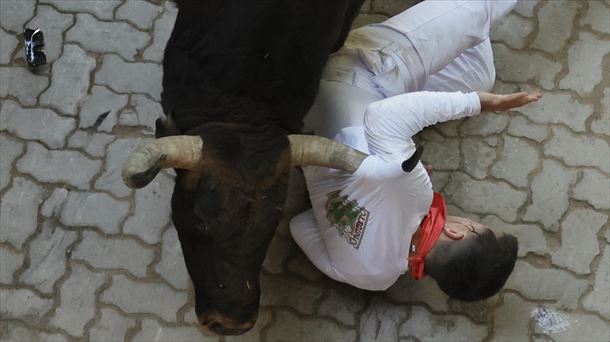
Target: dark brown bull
(239, 76)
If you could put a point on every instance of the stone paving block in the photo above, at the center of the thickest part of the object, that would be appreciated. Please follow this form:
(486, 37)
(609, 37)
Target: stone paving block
(406, 290)
(280, 291)
(277, 255)
(579, 150)
(77, 300)
(35, 124)
(522, 127)
(601, 123)
(585, 60)
(53, 24)
(512, 30)
(21, 83)
(138, 297)
(153, 331)
(70, 167)
(367, 19)
(23, 304)
(116, 155)
(101, 9)
(484, 124)
(107, 37)
(162, 31)
(449, 128)
(478, 157)
(512, 319)
(15, 332)
(69, 80)
(263, 320)
(92, 143)
(426, 326)
(86, 209)
(531, 239)
(19, 211)
(290, 327)
(381, 320)
(439, 179)
(484, 197)
(152, 209)
(391, 7)
(555, 24)
(113, 253)
(144, 113)
(112, 326)
(342, 302)
(597, 17)
(15, 13)
(102, 105)
(558, 109)
(525, 7)
(581, 327)
(579, 240)
(593, 188)
(8, 43)
(546, 284)
(518, 159)
(140, 13)
(10, 261)
(11, 149)
(124, 77)
(556, 180)
(479, 311)
(47, 257)
(300, 265)
(598, 299)
(443, 156)
(525, 66)
(172, 267)
(52, 205)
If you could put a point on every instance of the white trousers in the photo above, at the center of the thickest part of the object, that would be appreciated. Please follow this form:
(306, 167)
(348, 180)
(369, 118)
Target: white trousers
(433, 46)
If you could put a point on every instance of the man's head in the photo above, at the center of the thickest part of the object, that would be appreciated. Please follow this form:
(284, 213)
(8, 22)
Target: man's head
(470, 262)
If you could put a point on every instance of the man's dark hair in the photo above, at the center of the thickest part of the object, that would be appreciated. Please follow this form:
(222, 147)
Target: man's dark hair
(473, 268)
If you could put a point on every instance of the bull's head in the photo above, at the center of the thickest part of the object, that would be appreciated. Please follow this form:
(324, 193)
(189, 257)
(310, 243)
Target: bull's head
(226, 218)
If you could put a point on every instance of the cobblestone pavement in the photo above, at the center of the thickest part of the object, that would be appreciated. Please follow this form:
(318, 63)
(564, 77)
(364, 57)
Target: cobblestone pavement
(85, 258)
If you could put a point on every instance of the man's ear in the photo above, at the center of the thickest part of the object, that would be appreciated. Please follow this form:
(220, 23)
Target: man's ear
(453, 234)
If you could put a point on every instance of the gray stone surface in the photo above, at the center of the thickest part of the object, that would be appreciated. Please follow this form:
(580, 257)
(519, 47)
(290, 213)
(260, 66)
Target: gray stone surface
(525, 8)
(597, 17)
(112, 326)
(601, 124)
(579, 243)
(522, 127)
(53, 24)
(512, 30)
(124, 77)
(35, 124)
(10, 261)
(546, 208)
(408, 291)
(525, 66)
(143, 112)
(444, 156)
(138, 12)
(138, 297)
(478, 157)
(531, 239)
(593, 188)
(99, 109)
(162, 30)
(69, 81)
(8, 43)
(553, 34)
(113, 253)
(579, 150)
(86, 209)
(92, 143)
(290, 327)
(106, 37)
(77, 291)
(426, 326)
(47, 257)
(101, 9)
(558, 109)
(342, 303)
(152, 330)
(518, 159)
(52, 205)
(597, 300)
(18, 211)
(512, 319)
(277, 255)
(14, 332)
(22, 84)
(11, 149)
(15, 13)
(116, 155)
(70, 167)
(281, 293)
(484, 124)
(580, 325)
(171, 267)
(23, 304)
(379, 321)
(585, 58)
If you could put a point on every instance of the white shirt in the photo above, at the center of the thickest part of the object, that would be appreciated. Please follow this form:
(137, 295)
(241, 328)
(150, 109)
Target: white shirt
(360, 226)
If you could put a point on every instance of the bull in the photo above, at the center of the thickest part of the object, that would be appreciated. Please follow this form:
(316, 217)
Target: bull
(239, 76)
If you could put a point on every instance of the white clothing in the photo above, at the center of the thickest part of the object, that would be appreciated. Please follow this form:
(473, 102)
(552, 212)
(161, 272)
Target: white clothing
(372, 98)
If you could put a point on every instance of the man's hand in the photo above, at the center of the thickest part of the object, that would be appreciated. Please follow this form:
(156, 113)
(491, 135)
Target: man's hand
(493, 102)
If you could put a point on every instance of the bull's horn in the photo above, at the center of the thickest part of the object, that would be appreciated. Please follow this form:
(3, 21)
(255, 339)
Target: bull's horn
(179, 151)
(319, 151)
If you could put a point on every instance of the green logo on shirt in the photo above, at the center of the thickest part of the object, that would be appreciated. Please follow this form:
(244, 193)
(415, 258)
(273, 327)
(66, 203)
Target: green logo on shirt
(345, 215)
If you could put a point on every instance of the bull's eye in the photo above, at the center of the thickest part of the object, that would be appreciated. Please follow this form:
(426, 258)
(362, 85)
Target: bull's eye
(221, 286)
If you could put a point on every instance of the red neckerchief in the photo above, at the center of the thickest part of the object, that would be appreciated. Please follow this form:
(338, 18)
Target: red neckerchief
(430, 229)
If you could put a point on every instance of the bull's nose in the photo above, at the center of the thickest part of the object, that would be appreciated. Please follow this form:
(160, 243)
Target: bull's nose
(218, 326)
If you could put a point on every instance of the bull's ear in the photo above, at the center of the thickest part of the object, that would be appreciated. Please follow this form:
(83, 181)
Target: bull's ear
(319, 151)
(180, 152)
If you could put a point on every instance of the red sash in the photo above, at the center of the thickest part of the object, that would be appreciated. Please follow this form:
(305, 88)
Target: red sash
(430, 229)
